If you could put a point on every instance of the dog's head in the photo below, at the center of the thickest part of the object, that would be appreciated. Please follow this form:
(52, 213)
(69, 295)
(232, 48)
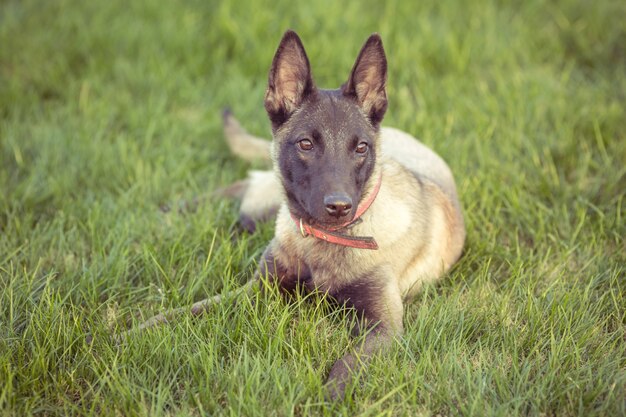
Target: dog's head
(325, 141)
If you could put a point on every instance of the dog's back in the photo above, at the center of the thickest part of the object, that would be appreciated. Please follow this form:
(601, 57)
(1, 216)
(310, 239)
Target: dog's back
(418, 158)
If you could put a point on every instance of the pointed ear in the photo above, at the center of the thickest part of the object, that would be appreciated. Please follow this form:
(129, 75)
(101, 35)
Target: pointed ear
(368, 78)
(290, 80)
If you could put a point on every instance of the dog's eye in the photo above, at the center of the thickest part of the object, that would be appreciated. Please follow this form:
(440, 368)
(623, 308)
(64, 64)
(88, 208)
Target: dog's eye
(305, 144)
(362, 147)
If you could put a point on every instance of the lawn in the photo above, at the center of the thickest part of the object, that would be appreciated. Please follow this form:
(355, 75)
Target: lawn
(110, 125)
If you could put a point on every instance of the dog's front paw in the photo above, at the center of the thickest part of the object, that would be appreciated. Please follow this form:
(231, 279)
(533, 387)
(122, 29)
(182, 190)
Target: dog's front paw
(334, 390)
(338, 378)
(247, 223)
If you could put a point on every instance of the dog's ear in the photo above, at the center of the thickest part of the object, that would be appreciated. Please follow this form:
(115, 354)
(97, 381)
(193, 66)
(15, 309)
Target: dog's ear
(290, 80)
(368, 78)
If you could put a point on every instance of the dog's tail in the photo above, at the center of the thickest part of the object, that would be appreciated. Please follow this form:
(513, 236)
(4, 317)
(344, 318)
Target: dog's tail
(243, 144)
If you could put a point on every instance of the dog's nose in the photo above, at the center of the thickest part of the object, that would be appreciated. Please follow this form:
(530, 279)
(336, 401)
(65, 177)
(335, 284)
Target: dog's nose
(338, 205)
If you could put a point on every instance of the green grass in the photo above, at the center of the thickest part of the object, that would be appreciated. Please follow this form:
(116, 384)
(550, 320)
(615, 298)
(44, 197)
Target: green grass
(111, 109)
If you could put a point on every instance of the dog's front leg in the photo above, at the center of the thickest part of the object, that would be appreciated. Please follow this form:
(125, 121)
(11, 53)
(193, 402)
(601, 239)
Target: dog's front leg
(285, 270)
(380, 316)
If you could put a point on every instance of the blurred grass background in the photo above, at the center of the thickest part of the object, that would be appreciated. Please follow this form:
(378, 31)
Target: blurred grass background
(110, 111)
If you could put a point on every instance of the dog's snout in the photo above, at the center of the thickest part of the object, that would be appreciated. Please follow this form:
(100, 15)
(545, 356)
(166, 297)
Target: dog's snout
(338, 205)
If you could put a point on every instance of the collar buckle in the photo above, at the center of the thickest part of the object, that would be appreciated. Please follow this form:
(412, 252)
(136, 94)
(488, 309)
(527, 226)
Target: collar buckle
(302, 230)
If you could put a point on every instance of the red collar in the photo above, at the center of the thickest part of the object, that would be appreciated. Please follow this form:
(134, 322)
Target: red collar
(330, 235)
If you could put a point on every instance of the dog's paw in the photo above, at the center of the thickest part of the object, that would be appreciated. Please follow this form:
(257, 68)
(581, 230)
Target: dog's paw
(334, 391)
(247, 223)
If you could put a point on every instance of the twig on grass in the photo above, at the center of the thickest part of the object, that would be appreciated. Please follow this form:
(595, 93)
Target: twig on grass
(196, 309)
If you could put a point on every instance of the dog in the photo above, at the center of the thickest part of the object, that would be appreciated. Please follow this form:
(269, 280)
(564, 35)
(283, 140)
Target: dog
(365, 214)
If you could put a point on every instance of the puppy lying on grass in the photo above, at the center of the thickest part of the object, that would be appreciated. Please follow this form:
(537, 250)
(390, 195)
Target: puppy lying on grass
(365, 214)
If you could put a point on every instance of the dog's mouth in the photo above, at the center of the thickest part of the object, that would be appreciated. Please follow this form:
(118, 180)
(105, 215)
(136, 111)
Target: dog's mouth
(325, 222)
(332, 223)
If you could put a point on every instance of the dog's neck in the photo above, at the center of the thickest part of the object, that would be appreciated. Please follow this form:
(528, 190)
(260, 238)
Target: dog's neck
(330, 234)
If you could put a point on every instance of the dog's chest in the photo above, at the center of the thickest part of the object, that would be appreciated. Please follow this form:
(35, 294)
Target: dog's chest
(331, 267)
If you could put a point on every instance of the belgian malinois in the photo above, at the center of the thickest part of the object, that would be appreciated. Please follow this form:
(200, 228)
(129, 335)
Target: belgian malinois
(365, 214)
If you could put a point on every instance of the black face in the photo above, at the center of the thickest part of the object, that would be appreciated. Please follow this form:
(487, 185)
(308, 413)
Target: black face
(326, 156)
(326, 139)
